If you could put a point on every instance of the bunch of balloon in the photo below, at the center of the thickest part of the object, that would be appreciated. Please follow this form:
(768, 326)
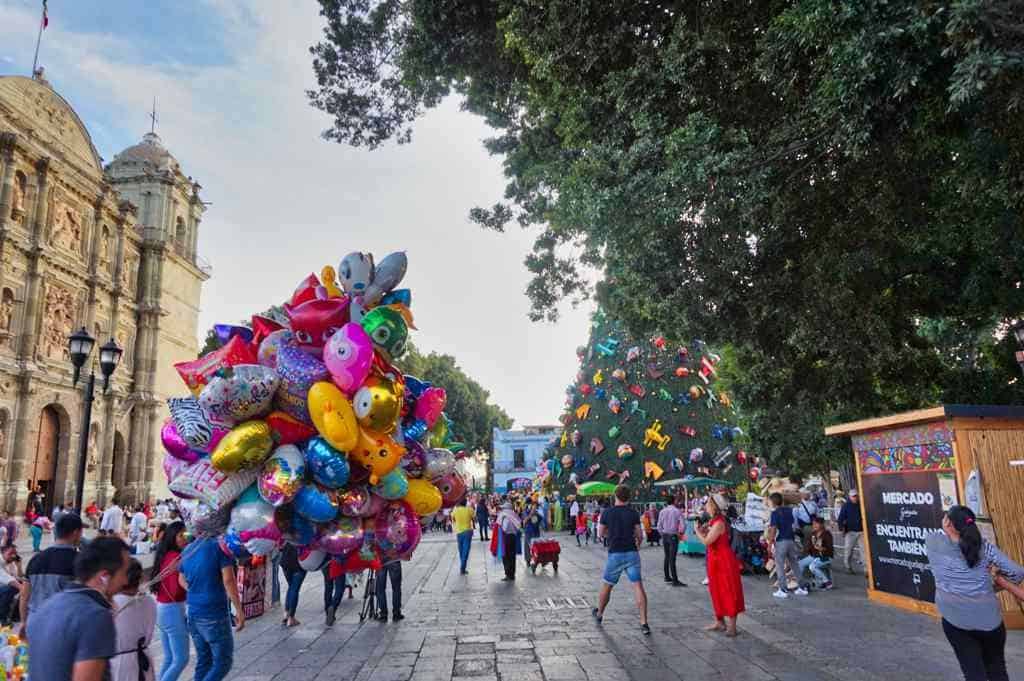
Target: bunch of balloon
(301, 430)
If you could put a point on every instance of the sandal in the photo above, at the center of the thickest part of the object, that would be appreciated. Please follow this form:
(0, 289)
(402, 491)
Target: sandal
(645, 629)
(597, 615)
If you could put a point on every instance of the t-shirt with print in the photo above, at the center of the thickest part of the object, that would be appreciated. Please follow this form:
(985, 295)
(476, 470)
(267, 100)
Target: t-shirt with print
(782, 519)
(206, 597)
(621, 523)
(72, 626)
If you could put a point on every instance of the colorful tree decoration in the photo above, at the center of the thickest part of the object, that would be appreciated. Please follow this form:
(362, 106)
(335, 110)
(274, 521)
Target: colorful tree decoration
(669, 415)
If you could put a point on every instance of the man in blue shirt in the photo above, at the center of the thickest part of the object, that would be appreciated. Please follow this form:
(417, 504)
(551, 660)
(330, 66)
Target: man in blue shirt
(51, 570)
(72, 634)
(209, 575)
(781, 532)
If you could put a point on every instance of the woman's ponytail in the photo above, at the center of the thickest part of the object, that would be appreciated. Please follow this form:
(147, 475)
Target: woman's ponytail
(962, 519)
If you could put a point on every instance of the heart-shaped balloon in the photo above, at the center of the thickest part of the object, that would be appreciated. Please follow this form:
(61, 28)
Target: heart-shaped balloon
(288, 430)
(316, 503)
(175, 444)
(342, 536)
(246, 446)
(430, 404)
(392, 486)
(328, 466)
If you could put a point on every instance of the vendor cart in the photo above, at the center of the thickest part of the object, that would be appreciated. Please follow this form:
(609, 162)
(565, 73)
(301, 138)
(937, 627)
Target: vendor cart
(544, 552)
(690, 545)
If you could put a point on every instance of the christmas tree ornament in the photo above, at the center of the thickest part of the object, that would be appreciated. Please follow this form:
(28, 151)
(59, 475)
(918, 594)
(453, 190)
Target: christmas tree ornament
(599, 394)
(624, 451)
(664, 395)
(582, 412)
(598, 377)
(721, 455)
(596, 446)
(741, 457)
(634, 408)
(637, 390)
(653, 372)
(754, 473)
(614, 405)
(658, 342)
(564, 442)
(619, 375)
(614, 432)
(707, 369)
(696, 392)
(682, 399)
(725, 400)
(677, 464)
(585, 389)
(682, 372)
(653, 470)
(653, 436)
(683, 353)
(688, 431)
(567, 461)
(577, 438)
(611, 475)
(696, 454)
(590, 471)
(633, 354)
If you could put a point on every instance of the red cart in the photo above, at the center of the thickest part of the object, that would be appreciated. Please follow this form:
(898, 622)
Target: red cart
(544, 552)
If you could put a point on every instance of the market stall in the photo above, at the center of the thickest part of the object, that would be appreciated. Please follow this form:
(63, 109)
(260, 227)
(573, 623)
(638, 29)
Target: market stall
(691, 489)
(911, 467)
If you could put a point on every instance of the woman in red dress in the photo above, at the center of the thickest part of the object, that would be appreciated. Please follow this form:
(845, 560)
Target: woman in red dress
(724, 582)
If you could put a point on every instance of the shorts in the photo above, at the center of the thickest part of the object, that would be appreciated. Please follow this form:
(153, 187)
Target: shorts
(619, 562)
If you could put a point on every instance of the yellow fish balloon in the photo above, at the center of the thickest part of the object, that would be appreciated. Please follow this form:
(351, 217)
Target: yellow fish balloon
(378, 404)
(424, 497)
(246, 446)
(328, 282)
(333, 416)
(378, 453)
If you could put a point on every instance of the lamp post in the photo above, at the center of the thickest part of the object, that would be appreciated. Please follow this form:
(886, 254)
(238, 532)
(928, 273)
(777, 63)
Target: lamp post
(1018, 333)
(80, 345)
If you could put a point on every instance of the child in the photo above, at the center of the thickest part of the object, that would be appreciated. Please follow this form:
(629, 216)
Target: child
(581, 528)
(595, 520)
(134, 620)
(39, 525)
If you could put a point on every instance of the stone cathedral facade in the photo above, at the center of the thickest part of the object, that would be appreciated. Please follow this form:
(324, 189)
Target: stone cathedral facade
(109, 248)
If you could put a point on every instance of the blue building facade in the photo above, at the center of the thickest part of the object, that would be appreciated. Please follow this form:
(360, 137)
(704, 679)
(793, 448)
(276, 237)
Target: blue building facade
(516, 453)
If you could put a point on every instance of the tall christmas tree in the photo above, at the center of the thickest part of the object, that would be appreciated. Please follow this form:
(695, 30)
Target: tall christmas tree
(643, 410)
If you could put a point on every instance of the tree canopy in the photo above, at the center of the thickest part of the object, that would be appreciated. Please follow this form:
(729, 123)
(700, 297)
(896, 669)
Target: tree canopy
(835, 188)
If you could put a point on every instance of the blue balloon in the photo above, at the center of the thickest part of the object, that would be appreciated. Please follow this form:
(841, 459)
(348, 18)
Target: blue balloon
(394, 485)
(302, 531)
(402, 296)
(226, 332)
(231, 542)
(315, 504)
(414, 430)
(414, 387)
(328, 466)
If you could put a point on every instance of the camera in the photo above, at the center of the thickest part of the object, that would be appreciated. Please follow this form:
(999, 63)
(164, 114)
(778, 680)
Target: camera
(704, 518)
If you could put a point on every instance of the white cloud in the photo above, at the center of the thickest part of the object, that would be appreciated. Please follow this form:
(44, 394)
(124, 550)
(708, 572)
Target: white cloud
(285, 203)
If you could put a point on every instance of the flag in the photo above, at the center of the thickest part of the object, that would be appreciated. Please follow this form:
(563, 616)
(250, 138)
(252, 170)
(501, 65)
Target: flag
(46, 18)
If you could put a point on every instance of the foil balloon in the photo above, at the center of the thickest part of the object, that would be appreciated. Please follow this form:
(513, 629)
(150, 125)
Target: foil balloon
(356, 310)
(196, 373)
(423, 497)
(270, 347)
(328, 466)
(378, 404)
(397, 529)
(429, 405)
(191, 422)
(247, 445)
(414, 430)
(440, 462)
(226, 332)
(374, 506)
(261, 328)
(214, 488)
(439, 433)
(333, 416)
(378, 453)
(354, 502)
(301, 531)
(173, 466)
(388, 331)
(452, 488)
(282, 475)
(244, 392)
(202, 520)
(315, 321)
(305, 291)
(342, 536)
(253, 520)
(394, 485)
(313, 560)
(348, 356)
(329, 287)
(402, 296)
(414, 460)
(175, 444)
(415, 387)
(388, 273)
(288, 430)
(298, 371)
(316, 503)
(355, 272)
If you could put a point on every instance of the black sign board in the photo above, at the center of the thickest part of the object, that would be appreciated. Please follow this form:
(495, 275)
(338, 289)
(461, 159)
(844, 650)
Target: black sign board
(902, 509)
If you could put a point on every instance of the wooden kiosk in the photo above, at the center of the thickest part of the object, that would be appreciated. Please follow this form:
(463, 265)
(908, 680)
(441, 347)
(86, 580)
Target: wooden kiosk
(911, 467)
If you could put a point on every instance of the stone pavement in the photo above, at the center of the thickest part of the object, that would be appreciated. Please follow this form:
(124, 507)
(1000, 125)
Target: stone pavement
(478, 628)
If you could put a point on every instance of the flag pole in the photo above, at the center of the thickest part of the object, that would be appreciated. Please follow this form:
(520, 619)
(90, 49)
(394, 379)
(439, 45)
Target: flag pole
(39, 38)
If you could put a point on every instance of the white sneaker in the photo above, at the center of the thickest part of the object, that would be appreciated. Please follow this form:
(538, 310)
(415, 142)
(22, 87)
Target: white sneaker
(800, 591)
(704, 581)
(780, 594)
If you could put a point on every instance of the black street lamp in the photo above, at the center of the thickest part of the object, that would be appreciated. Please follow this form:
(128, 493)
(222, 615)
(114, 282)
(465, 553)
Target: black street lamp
(1018, 333)
(80, 345)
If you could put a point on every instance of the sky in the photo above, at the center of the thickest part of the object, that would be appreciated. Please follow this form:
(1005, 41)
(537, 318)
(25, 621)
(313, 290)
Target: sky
(229, 79)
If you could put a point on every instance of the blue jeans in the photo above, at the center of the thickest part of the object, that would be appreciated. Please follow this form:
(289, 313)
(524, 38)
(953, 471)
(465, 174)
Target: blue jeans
(394, 572)
(275, 578)
(618, 563)
(170, 620)
(37, 536)
(333, 590)
(291, 599)
(215, 647)
(465, 540)
(817, 567)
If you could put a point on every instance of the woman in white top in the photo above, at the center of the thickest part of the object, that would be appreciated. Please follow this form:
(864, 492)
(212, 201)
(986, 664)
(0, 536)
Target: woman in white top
(134, 619)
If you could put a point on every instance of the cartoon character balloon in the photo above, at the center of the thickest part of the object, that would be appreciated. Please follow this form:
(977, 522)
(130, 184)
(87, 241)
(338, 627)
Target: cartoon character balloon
(314, 322)
(386, 276)
(378, 404)
(328, 466)
(333, 416)
(424, 497)
(378, 453)
(343, 536)
(355, 272)
(397, 529)
(388, 331)
(349, 356)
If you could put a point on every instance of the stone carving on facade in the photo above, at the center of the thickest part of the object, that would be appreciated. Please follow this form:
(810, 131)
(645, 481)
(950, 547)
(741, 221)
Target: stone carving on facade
(127, 272)
(58, 322)
(92, 459)
(105, 247)
(18, 200)
(67, 229)
(3, 440)
(6, 316)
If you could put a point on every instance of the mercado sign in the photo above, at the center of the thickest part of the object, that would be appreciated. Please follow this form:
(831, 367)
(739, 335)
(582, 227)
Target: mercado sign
(908, 482)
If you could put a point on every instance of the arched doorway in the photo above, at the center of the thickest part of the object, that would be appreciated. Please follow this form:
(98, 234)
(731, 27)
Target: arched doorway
(117, 462)
(44, 469)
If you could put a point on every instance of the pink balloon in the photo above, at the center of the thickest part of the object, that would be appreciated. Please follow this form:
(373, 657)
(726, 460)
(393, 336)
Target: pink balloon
(348, 356)
(430, 404)
(175, 444)
(173, 466)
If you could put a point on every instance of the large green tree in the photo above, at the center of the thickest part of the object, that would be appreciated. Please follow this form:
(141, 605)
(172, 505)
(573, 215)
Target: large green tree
(835, 188)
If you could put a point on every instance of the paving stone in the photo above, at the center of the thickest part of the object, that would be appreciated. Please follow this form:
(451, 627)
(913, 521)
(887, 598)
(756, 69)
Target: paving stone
(474, 649)
(473, 667)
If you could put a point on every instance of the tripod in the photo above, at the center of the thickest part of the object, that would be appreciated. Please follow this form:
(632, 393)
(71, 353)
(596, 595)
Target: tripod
(369, 598)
